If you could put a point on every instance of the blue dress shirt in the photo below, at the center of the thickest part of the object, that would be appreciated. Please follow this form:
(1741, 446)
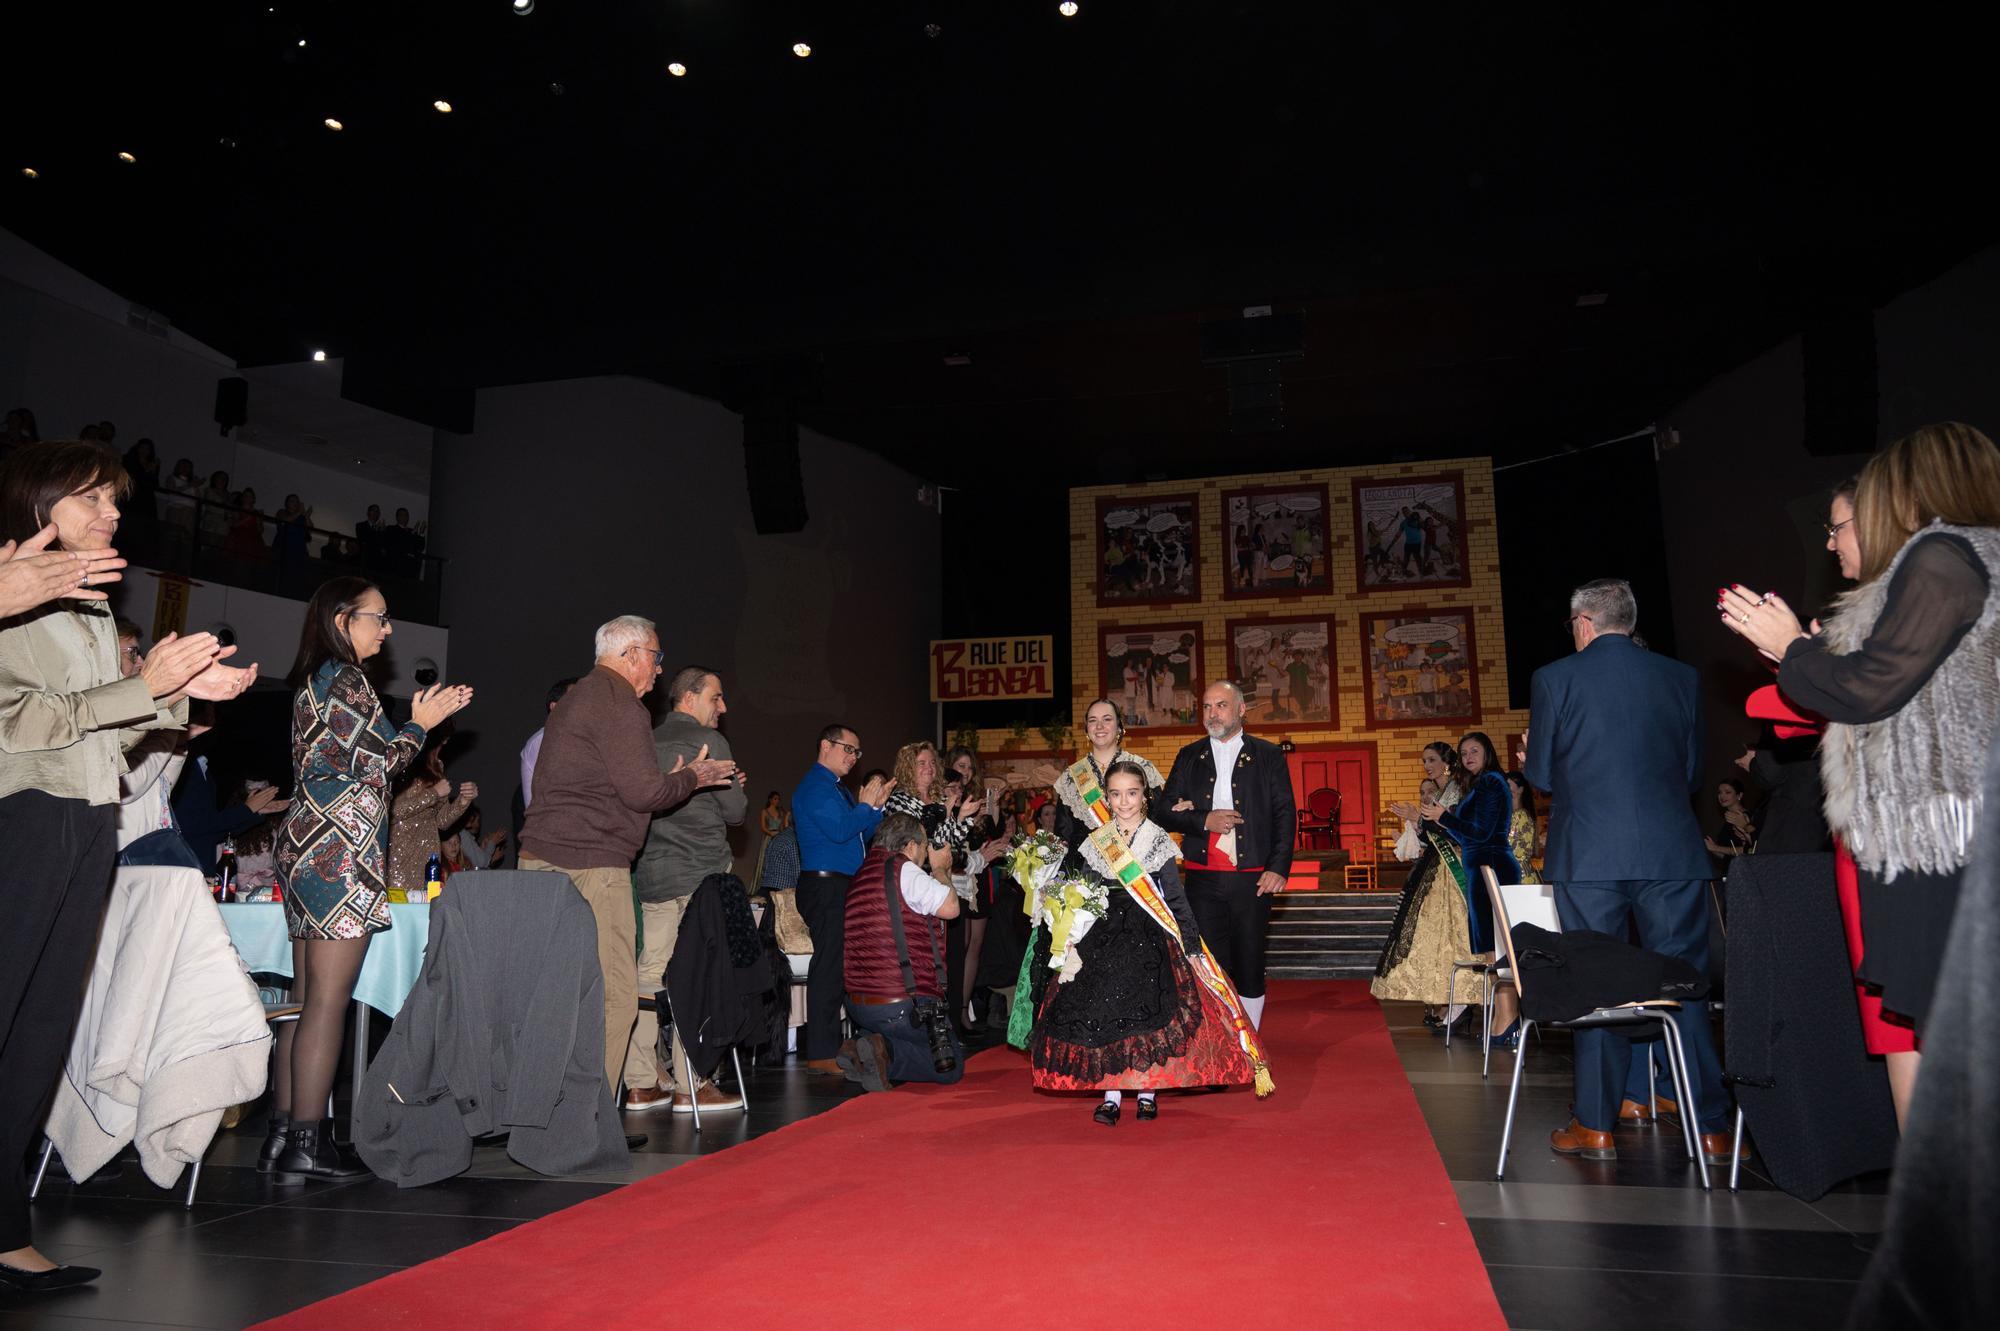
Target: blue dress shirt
(833, 826)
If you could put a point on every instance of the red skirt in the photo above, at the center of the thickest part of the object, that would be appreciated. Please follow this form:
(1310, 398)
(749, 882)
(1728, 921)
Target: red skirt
(1880, 1035)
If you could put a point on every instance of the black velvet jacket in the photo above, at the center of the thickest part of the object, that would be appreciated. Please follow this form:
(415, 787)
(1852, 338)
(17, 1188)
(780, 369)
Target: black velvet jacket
(1262, 787)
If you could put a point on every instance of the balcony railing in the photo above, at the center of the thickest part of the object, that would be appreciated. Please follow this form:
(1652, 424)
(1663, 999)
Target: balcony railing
(237, 547)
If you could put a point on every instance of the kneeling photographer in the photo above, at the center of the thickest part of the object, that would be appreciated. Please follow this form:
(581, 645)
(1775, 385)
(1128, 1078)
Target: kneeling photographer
(894, 963)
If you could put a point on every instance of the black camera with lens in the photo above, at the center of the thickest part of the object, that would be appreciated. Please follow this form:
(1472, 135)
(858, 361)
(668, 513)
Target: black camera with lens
(936, 1023)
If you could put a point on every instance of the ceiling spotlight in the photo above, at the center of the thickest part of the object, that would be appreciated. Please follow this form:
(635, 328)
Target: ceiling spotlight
(523, 8)
(677, 69)
(127, 158)
(1067, 8)
(932, 30)
(319, 355)
(801, 50)
(302, 41)
(555, 89)
(31, 173)
(441, 106)
(334, 125)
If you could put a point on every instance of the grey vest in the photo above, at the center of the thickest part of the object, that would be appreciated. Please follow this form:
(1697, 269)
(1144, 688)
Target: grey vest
(1904, 792)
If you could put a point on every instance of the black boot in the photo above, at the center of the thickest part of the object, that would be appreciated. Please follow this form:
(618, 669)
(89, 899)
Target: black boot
(310, 1152)
(274, 1142)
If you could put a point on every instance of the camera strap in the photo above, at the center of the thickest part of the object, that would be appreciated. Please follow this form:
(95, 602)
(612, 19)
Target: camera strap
(892, 891)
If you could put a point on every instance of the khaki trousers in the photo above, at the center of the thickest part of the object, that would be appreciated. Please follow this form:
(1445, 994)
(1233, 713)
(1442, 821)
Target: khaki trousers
(660, 926)
(608, 893)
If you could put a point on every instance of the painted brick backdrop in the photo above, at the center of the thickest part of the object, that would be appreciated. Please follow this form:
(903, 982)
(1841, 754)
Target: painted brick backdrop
(1398, 768)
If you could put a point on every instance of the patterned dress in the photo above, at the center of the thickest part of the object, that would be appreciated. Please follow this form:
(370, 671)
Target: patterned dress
(334, 841)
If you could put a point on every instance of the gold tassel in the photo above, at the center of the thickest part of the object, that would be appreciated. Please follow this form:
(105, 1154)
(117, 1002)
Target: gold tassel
(1263, 1084)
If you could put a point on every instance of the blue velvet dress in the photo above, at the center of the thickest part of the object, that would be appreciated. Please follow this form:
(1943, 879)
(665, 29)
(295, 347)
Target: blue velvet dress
(1480, 825)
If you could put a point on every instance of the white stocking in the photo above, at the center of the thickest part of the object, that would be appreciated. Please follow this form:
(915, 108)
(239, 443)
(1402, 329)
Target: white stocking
(1114, 1097)
(1255, 1007)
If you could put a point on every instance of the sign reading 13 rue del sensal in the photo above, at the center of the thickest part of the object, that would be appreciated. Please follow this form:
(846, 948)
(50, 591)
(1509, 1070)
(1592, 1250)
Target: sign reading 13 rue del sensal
(980, 669)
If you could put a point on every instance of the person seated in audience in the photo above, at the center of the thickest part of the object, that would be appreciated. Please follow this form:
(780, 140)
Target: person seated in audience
(481, 852)
(203, 819)
(146, 830)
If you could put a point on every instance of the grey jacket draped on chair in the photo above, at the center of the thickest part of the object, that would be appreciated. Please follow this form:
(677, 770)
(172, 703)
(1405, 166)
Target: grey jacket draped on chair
(504, 1032)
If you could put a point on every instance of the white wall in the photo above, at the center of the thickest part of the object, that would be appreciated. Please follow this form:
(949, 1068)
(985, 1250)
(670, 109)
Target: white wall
(73, 366)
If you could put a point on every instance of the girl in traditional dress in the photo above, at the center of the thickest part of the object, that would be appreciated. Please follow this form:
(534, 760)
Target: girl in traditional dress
(1133, 1016)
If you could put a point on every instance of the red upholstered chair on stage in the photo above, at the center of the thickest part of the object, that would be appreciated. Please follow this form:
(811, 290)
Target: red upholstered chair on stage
(1320, 819)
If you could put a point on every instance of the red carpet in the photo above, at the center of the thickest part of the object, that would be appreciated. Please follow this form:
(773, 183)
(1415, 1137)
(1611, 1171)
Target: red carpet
(987, 1205)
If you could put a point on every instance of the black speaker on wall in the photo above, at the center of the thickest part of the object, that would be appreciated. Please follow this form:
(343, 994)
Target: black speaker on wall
(232, 403)
(1838, 351)
(771, 461)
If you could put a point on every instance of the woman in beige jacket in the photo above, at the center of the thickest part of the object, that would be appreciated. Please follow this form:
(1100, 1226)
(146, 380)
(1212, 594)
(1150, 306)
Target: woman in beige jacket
(66, 718)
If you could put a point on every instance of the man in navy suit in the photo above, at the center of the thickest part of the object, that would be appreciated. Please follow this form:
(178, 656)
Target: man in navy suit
(1615, 737)
(1230, 798)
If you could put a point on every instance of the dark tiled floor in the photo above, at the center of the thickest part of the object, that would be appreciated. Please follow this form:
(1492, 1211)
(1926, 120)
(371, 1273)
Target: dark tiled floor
(1633, 1243)
(249, 1249)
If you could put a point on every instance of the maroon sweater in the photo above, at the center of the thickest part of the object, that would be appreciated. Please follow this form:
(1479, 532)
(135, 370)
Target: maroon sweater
(598, 782)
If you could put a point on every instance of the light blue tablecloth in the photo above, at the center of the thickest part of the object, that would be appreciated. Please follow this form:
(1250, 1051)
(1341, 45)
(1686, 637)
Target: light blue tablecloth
(395, 956)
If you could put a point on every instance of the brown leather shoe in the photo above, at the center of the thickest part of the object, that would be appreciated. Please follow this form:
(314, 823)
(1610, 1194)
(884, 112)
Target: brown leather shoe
(1633, 1114)
(645, 1100)
(827, 1066)
(1665, 1108)
(1715, 1147)
(711, 1096)
(1583, 1142)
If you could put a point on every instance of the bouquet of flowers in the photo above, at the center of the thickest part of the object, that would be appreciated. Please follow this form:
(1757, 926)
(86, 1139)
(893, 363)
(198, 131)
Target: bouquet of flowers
(1069, 906)
(1033, 861)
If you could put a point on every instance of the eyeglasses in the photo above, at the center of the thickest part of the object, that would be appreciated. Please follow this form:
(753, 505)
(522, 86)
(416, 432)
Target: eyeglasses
(381, 619)
(854, 749)
(1833, 528)
(659, 657)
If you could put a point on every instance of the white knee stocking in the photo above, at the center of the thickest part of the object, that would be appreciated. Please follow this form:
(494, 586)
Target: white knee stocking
(1255, 1007)
(1114, 1097)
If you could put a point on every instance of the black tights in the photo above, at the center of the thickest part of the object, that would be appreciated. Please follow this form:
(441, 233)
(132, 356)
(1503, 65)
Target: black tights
(323, 973)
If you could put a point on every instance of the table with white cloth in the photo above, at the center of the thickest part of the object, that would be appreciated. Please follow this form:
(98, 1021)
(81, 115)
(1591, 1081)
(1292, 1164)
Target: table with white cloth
(395, 959)
(170, 1034)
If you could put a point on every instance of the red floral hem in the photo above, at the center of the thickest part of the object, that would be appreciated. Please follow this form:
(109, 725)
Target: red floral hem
(1213, 1058)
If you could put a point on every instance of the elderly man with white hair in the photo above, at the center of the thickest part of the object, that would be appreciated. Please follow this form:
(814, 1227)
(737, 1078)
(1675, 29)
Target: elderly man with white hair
(1230, 798)
(597, 787)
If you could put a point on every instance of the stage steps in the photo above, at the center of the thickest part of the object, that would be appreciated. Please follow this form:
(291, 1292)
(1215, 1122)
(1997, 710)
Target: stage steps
(1328, 935)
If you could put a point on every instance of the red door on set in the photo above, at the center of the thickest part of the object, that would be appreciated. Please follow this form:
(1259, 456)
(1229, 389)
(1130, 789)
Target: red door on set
(1350, 770)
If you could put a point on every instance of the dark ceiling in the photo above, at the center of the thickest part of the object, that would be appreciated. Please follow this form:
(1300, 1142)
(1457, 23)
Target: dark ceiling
(1061, 200)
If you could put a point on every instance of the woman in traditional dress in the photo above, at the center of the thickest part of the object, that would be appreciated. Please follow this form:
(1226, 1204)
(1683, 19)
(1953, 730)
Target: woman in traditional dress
(1104, 728)
(1479, 824)
(1133, 1016)
(1430, 931)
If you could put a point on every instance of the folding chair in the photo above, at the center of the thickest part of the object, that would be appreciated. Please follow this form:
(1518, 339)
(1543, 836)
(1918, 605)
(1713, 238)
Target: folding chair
(1659, 1010)
(654, 1004)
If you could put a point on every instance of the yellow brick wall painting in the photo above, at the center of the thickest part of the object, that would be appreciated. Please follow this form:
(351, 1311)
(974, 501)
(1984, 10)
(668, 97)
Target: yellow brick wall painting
(1201, 589)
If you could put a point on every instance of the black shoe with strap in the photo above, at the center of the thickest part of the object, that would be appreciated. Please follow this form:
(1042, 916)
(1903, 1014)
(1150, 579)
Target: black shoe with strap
(1107, 1114)
(1149, 1109)
(311, 1152)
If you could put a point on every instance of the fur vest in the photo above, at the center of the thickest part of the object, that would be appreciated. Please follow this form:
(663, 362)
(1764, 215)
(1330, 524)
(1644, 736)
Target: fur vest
(1904, 792)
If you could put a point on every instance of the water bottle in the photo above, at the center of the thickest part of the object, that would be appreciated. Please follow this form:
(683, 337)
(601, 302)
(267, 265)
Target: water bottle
(433, 881)
(225, 870)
